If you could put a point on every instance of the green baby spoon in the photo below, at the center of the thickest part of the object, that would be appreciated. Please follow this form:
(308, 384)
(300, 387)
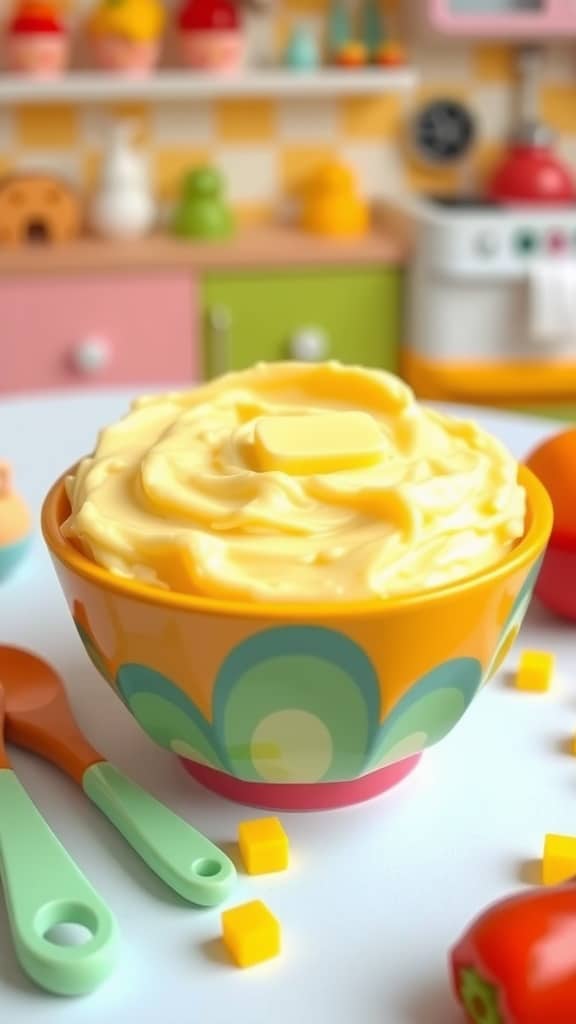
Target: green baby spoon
(45, 889)
(39, 718)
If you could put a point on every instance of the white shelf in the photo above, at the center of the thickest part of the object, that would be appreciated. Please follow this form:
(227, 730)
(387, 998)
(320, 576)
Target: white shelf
(94, 86)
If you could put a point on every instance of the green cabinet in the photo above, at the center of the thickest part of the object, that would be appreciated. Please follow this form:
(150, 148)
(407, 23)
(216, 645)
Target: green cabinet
(348, 313)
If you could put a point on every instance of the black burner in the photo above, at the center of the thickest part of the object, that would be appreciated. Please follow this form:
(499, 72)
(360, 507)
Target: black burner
(464, 202)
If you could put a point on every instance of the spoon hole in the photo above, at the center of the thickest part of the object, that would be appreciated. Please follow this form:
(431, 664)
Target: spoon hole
(68, 933)
(63, 923)
(206, 868)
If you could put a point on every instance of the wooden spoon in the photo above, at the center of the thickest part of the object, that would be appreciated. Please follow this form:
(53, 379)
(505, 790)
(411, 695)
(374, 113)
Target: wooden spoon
(39, 718)
(44, 888)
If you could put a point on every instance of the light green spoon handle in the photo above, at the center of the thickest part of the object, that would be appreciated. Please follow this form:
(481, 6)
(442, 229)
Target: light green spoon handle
(43, 888)
(182, 857)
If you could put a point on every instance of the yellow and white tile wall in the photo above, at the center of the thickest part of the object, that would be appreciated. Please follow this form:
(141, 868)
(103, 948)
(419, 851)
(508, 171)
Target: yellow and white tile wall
(267, 147)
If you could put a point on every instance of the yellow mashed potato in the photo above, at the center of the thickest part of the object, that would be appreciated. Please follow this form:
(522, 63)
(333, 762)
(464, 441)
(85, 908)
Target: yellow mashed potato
(295, 482)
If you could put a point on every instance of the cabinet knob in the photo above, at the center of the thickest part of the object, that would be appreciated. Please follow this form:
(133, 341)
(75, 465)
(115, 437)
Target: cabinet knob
(91, 355)
(309, 345)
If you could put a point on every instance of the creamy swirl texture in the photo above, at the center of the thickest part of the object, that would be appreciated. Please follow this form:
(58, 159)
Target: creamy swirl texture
(295, 482)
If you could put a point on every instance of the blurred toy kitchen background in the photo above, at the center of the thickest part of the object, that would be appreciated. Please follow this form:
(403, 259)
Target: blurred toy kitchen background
(188, 187)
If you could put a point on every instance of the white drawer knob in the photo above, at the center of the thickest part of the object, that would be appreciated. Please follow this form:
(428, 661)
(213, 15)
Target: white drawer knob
(309, 345)
(92, 355)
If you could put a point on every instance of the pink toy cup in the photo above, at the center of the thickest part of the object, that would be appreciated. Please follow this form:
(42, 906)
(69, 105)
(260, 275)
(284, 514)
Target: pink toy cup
(213, 51)
(128, 56)
(41, 55)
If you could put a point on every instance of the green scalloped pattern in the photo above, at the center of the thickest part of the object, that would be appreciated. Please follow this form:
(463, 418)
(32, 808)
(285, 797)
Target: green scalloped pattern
(299, 704)
(514, 621)
(428, 711)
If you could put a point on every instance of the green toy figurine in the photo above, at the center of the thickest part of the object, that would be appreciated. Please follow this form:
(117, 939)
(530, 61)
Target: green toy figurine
(203, 211)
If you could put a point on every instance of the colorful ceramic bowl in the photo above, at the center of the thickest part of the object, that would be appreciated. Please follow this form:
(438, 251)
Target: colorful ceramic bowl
(298, 706)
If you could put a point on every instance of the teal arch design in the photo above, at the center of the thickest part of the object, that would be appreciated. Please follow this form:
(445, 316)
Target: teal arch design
(165, 713)
(428, 711)
(522, 602)
(299, 704)
(516, 614)
(296, 674)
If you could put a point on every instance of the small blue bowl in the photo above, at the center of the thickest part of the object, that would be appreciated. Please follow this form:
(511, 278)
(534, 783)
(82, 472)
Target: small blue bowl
(12, 554)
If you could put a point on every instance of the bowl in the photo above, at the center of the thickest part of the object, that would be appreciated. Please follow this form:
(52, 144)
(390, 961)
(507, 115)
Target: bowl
(298, 706)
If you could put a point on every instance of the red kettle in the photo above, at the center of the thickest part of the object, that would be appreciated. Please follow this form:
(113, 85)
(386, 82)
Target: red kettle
(531, 172)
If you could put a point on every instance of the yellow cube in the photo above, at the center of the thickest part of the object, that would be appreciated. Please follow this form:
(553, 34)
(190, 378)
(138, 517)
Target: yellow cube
(263, 846)
(535, 671)
(559, 859)
(251, 933)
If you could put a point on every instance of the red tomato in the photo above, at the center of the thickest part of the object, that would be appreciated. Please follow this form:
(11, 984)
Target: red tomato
(516, 964)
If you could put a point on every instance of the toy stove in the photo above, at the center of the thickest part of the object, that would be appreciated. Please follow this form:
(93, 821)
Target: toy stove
(492, 302)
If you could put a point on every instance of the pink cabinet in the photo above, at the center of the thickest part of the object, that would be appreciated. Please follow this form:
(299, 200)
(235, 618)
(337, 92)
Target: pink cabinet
(90, 330)
(504, 18)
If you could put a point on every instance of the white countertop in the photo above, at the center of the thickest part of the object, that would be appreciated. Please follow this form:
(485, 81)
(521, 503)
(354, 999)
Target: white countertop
(376, 894)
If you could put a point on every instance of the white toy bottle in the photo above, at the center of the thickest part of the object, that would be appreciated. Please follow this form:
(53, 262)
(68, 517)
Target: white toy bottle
(123, 206)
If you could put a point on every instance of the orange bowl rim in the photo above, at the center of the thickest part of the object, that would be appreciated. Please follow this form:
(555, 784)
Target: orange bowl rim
(540, 519)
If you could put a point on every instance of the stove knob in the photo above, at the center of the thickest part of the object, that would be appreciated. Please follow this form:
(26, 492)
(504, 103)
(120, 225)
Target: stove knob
(558, 242)
(487, 244)
(309, 345)
(91, 355)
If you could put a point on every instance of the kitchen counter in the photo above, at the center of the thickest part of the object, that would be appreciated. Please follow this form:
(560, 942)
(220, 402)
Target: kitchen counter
(387, 243)
(376, 893)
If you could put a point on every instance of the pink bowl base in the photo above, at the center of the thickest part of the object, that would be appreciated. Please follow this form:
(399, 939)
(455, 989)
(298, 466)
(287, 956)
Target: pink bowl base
(321, 796)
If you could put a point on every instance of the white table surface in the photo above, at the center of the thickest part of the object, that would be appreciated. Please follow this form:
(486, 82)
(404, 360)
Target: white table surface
(376, 894)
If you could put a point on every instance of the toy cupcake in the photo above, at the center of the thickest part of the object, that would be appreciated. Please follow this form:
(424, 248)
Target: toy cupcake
(126, 35)
(14, 523)
(212, 37)
(38, 41)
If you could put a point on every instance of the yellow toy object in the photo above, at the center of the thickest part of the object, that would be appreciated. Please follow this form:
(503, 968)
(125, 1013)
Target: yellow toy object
(333, 206)
(352, 55)
(263, 846)
(251, 933)
(535, 671)
(14, 523)
(133, 19)
(559, 859)
(391, 55)
(126, 34)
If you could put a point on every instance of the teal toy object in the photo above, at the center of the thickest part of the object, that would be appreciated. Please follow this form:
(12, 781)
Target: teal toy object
(11, 555)
(302, 52)
(15, 531)
(339, 29)
(372, 27)
(203, 211)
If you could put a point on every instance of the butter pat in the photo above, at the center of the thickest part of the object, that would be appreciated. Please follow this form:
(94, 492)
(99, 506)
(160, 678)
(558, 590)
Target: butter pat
(300, 445)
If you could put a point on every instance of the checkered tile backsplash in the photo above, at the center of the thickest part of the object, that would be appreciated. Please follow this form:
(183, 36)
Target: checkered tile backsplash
(266, 148)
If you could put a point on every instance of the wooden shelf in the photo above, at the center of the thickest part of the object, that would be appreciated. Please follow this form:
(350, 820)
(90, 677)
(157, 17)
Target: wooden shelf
(389, 243)
(95, 87)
